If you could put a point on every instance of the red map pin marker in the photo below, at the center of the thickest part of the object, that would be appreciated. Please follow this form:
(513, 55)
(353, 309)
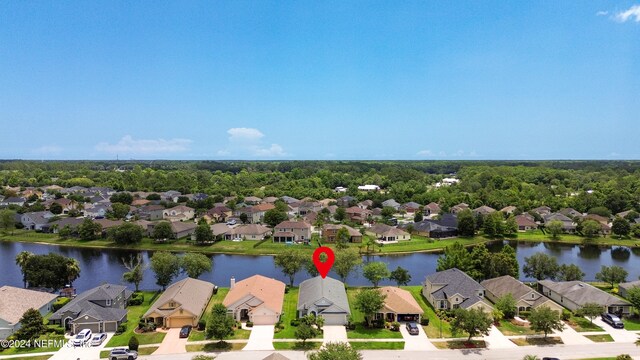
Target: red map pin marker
(323, 267)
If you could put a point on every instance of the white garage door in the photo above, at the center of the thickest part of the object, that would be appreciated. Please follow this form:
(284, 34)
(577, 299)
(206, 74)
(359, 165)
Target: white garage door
(264, 319)
(334, 319)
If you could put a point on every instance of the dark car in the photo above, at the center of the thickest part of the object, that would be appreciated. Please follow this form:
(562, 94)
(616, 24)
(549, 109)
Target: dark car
(412, 328)
(548, 358)
(184, 332)
(612, 320)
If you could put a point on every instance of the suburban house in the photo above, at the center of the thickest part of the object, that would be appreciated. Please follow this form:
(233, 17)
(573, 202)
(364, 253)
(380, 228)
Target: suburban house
(247, 232)
(252, 200)
(330, 231)
(257, 299)
(14, 302)
(151, 212)
(526, 297)
(292, 231)
(255, 214)
(72, 223)
(357, 214)
(346, 201)
(171, 195)
(483, 210)
(399, 305)
(433, 229)
(603, 221)
(452, 289)
(392, 203)
(17, 201)
(178, 213)
(303, 208)
(100, 309)
(369, 187)
(183, 229)
(623, 288)
(574, 294)
(410, 207)
(366, 204)
(509, 209)
(570, 212)
(568, 225)
(324, 297)
(217, 214)
(431, 209)
(388, 234)
(289, 199)
(38, 220)
(96, 211)
(525, 222)
(66, 204)
(181, 304)
(542, 210)
(459, 207)
(270, 199)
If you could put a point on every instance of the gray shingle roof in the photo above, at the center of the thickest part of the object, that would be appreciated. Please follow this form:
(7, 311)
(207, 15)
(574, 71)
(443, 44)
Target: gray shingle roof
(581, 293)
(84, 304)
(456, 281)
(326, 292)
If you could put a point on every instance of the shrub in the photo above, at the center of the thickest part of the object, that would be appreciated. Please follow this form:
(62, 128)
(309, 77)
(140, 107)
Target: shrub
(424, 321)
(60, 303)
(378, 323)
(286, 289)
(566, 314)
(395, 326)
(202, 323)
(525, 314)
(295, 322)
(202, 357)
(55, 329)
(249, 323)
(121, 328)
(624, 357)
(133, 343)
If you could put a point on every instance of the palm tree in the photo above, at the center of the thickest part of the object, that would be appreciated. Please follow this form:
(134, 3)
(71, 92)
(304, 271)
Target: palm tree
(21, 260)
(136, 267)
(73, 270)
(530, 357)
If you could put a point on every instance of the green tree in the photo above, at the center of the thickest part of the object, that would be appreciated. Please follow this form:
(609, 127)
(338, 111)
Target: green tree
(51, 271)
(244, 218)
(22, 260)
(274, 217)
(504, 262)
(554, 228)
(195, 264)
(571, 272)
(220, 325)
(591, 228)
(612, 274)
(455, 256)
(340, 214)
(633, 295)
(122, 198)
(345, 263)
(55, 209)
(336, 351)
(304, 332)
(72, 270)
(507, 305)
(7, 220)
(290, 261)
(546, 320)
(166, 266)
(418, 216)
(541, 266)
(89, 230)
(530, 357)
(511, 226)
(126, 234)
(118, 211)
(162, 230)
(203, 234)
(493, 224)
(401, 276)
(590, 310)
(375, 272)
(135, 270)
(474, 322)
(466, 223)
(342, 238)
(134, 343)
(65, 232)
(369, 302)
(31, 325)
(621, 227)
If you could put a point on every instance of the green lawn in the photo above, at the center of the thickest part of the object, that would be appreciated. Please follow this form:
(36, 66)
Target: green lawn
(362, 332)
(435, 324)
(41, 357)
(581, 324)
(289, 313)
(631, 323)
(460, 344)
(537, 341)
(297, 345)
(600, 338)
(364, 345)
(216, 299)
(508, 328)
(134, 315)
(215, 347)
(59, 339)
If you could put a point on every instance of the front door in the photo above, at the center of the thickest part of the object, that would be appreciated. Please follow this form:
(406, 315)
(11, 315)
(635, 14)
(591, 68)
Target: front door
(244, 315)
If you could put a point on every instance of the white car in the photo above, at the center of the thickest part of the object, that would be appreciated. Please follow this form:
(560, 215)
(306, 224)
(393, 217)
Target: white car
(83, 337)
(98, 339)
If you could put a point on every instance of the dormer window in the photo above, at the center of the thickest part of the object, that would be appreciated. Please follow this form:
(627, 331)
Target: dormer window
(172, 304)
(108, 302)
(533, 296)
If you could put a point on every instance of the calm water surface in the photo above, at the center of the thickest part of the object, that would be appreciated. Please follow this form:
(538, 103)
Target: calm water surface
(105, 265)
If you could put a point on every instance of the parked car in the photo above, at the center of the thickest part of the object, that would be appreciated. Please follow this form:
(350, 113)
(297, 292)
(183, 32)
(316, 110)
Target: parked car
(412, 328)
(548, 358)
(98, 339)
(185, 331)
(83, 337)
(231, 222)
(123, 354)
(612, 320)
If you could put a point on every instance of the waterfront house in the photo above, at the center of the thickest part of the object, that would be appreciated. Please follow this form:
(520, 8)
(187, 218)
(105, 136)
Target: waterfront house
(483, 210)
(623, 288)
(325, 298)
(526, 297)
(151, 212)
(257, 299)
(384, 233)
(525, 222)
(452, 289)
(292, 231)
(181, 304)
(574, 294)
(38, 220)
(14, 302)
(568, 225)
(399, 305)
(178, 213)
(330, 231)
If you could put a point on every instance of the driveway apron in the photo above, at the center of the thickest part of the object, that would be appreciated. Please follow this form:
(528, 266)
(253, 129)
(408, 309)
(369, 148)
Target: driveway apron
(261, 338)
(172, 343)
(416, 342)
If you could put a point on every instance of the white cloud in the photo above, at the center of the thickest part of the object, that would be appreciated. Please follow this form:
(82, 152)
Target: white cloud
(47, 149)
(272, 151)
(633, 13)
(244, 134)
(602, 13)
(425, 153)
(129, 145)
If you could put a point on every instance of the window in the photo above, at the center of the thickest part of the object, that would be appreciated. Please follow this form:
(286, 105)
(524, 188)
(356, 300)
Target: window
(533, 295)
(108, 302)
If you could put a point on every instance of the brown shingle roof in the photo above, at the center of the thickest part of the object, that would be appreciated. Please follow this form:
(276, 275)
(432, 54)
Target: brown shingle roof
(400, 301)
(192, 294)
(270, 291)
(15, 301)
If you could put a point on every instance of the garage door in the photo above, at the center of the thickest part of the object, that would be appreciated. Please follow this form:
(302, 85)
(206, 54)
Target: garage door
(334, 319)
(264, 319)
(94, 327)
(176, 322)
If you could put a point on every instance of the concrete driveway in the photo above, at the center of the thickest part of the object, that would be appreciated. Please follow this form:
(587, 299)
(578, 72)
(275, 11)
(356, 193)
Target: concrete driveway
(497, 340)
(416, 342)
(618, 335)
(571, 337)
(84, 353)
(261, 338)
(172, 344)
(334, 333)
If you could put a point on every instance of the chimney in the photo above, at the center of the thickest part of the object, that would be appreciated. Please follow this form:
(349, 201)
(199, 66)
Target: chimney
(233, 282)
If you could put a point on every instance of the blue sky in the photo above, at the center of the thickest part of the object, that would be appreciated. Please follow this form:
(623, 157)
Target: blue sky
(320, 80)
